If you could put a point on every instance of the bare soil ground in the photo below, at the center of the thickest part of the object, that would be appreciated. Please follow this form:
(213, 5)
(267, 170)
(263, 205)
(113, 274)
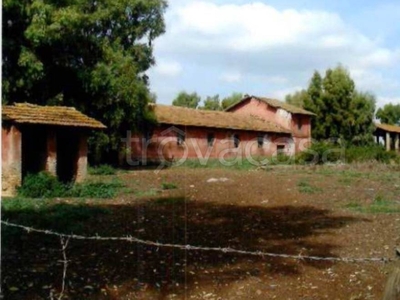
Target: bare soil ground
(320, 211)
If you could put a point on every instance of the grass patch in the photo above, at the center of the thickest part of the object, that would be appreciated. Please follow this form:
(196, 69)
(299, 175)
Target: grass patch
(380, 205)
(102, 170)
(45, 214)
(168, 186)
(44, 185)
(306, 188)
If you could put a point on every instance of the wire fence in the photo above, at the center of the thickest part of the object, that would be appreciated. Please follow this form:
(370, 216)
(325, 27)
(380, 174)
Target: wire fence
(65, 238)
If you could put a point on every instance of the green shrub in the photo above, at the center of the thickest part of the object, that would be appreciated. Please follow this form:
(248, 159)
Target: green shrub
(168, 186)
(370, 153)
(321, 152)
(41, 185)
(94, 190)
(102, 170)
(44, 185)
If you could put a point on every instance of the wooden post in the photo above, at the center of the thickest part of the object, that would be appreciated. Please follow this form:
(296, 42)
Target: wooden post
(387, 143)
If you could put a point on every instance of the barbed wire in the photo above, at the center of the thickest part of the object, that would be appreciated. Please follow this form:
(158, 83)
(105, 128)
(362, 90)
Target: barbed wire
(229, 250)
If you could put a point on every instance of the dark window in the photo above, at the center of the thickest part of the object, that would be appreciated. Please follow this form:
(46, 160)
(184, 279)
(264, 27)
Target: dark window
(260, 140)
(299, 123)
(180, 138)
(210, 139)
(236, 140)
(280, 149)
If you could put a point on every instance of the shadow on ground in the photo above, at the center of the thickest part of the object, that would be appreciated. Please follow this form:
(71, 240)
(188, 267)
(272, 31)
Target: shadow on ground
(113, 270)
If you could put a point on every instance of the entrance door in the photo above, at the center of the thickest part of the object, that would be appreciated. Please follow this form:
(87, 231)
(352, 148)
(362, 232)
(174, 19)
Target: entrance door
(67, 155)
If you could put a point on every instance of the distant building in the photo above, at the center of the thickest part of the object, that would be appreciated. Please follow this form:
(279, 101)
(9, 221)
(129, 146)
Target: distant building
(294, 119)
(43, 138)
(194, 133)
(390, 135)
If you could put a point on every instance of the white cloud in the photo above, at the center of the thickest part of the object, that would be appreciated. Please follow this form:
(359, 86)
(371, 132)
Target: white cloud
(280, 48)
(231, 77)
(168, 68)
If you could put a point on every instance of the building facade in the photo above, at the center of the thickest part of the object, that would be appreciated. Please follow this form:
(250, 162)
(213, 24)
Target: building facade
(292, 118)
(43, 138)
(191, 133)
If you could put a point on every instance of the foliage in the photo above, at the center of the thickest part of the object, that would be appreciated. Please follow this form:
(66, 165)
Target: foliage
(168, 186)
(379, 205)
(89, 55)
(341, 111)
(297, 99)
(389, 114)
(44, 185)
(230, 100)
(102, 170)
(212, 103)
(185, 99)
(47, 214)
(320, 153)
(307, 188)
(370, 153)
(41, 185)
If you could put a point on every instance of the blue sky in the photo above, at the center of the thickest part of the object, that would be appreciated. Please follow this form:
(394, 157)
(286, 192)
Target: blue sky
(271, 48)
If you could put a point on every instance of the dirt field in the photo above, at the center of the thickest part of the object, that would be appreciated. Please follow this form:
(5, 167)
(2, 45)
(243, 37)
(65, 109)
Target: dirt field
(320, 211)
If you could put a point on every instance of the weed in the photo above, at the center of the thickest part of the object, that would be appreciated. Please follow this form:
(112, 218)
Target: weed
(379, 205)
(306, 188)
(102, 170)
(168, 186)
(44, 185)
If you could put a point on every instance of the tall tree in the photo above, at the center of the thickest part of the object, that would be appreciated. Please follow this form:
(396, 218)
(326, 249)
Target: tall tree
(230, 100)
(297, 99)
(389, 114)
(88, 54)
(341, 111)
(212, 103)
(187, 100)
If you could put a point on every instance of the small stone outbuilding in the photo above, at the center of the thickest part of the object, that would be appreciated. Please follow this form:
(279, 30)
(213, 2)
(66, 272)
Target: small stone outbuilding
(390, 135)
(43, 138)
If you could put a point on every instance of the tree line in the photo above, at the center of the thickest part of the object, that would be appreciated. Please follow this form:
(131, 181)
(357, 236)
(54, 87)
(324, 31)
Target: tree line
(193, 100)
(342, 111)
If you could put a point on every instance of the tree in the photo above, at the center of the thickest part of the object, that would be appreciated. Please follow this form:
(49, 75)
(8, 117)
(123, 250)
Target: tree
(212, 103)
(185, 99)
(88, 54)
(230, 100)
(297, 99)
(341, 111)
(389, 114)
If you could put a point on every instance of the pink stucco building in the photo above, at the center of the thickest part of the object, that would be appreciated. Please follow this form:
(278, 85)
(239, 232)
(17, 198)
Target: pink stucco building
(251, 128)
(43, 138)
(292, 118)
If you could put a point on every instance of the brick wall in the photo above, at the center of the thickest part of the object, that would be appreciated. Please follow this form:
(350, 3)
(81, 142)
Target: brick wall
(11, 159)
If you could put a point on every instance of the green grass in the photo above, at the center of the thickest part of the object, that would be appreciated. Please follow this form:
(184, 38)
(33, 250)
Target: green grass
(306, 188)
(237, 163)
(168, 186)
(44, 185)
(380, 205)
(46, 214)
(102, 170)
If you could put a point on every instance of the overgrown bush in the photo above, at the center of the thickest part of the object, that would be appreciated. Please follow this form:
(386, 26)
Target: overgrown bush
(41, 185)
(321, 152)
(370, 153)
(102, 170)
(44, 185)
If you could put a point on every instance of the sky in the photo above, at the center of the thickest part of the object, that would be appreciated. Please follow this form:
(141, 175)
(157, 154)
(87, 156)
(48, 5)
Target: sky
(271, 48)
